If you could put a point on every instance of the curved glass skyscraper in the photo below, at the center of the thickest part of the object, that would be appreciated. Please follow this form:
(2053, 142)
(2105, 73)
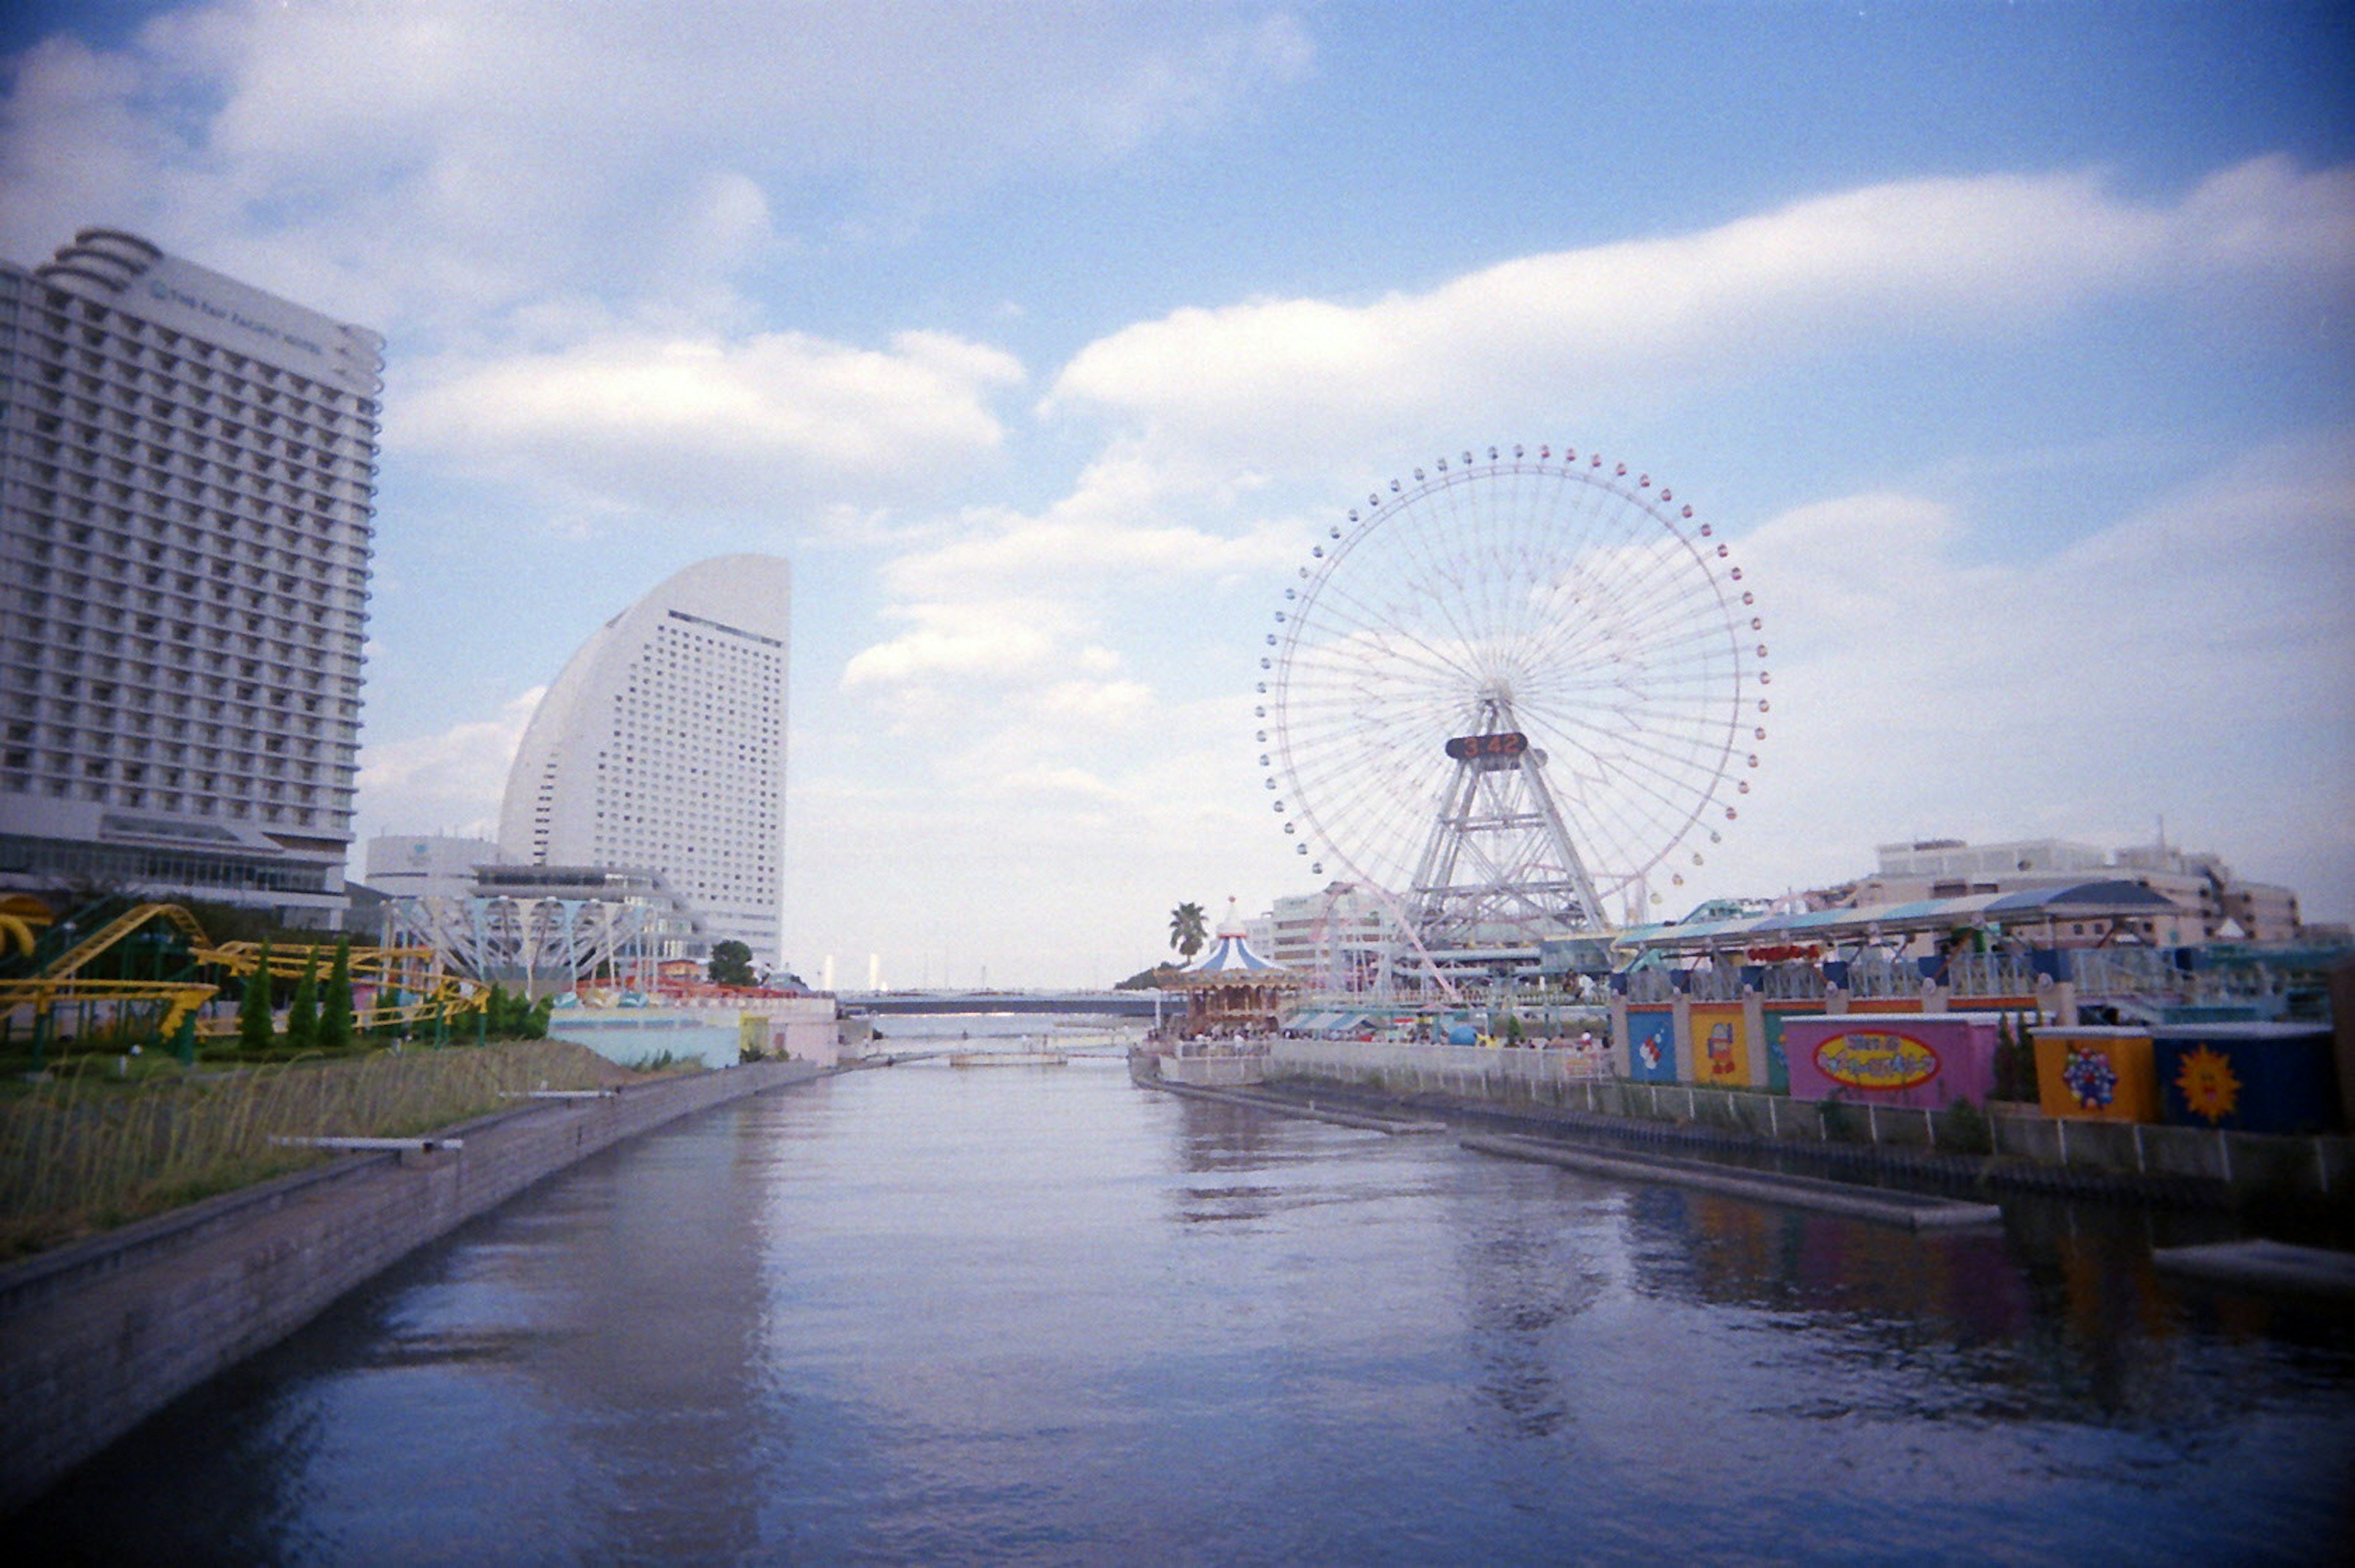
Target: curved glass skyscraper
(662, 747)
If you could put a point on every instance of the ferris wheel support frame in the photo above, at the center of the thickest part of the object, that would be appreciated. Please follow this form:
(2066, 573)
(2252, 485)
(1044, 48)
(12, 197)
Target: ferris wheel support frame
(1539, 823)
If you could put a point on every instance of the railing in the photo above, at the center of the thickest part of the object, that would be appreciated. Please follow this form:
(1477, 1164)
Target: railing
(1651, 985)
(2123, 972)
(1719, 984)
(1499, 1061)
(1880, 975)
(1990, 975)
(1794, 983)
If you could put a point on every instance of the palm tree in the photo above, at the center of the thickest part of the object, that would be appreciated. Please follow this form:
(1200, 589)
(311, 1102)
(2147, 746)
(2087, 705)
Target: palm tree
(1188, 930)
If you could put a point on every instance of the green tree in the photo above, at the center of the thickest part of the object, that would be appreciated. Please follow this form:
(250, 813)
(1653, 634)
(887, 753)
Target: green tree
(336, 1005)
(303, 1013)
(731, 964)
(1188, 930)
(255, 1027)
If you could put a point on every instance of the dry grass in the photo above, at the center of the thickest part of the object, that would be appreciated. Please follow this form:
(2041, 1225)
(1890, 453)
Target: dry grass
(84, 1152)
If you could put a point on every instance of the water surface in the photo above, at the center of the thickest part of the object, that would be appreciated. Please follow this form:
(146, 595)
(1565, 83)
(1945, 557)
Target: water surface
(1006, 1314)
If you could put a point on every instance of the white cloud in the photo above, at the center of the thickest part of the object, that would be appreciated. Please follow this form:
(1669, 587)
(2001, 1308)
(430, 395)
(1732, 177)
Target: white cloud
(451, 780)
(1000, 640)
(539, 145)
(2195, 660)
(665, 424)
(1132, 516)
(1556, 336)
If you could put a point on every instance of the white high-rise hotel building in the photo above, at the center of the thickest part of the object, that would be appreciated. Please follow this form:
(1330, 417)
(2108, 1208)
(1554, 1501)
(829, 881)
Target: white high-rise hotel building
(187, 496)
(662, 748)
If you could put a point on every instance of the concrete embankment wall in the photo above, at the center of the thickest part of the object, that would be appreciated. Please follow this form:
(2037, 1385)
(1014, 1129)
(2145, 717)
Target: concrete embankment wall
(96, 1336)
(2248, 1162)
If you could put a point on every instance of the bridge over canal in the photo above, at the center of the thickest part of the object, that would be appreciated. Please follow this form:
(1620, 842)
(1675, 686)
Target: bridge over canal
(1097, 1004)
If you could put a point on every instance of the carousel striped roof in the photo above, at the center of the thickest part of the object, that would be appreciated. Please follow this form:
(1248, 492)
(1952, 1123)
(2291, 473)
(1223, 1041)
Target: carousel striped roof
(1232, 955)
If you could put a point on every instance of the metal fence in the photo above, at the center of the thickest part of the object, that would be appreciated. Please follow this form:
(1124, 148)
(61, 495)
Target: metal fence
(1497, 1062)
(1991, 975)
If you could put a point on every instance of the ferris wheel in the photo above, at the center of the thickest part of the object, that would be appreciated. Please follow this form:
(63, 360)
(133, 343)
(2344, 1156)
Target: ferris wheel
(1516, 697)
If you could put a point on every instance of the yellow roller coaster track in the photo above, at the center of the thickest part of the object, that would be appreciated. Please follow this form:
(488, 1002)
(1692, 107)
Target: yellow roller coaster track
(413, 972)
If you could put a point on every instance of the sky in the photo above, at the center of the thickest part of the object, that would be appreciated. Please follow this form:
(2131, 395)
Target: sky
(2008, 346)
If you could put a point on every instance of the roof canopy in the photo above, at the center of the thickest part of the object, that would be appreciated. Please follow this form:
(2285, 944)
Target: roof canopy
(1230, 955)
(2080, 901)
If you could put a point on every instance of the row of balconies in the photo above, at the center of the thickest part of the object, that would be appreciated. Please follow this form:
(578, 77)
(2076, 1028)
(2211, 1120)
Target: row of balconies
(67, 705)
(120, 420)
(224, 782)
(131, 733)
(72, 596)
(76, 451)
(207, 763)
(135, 535)
(98, 375)
(278, 661)
(44, 500)
(317, 710)
(139, 342)
(220, 625)
(185, 802)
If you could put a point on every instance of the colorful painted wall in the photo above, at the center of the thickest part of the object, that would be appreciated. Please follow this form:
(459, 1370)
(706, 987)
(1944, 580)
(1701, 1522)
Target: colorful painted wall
(1924, 1061)
(1720, 1044)
(1651, 1045)
(2096, 1075)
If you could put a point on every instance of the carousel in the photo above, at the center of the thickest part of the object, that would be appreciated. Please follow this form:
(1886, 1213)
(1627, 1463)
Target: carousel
(1232, 993)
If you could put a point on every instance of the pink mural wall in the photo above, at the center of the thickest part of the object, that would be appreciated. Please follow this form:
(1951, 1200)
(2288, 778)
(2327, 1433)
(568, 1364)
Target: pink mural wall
(1920, 1059)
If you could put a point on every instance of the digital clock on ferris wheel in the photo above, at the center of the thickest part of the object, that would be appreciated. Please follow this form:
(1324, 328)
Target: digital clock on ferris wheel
(1504, 746)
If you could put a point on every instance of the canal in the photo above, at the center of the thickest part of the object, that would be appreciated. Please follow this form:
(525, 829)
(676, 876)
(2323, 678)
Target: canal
(933, 1314)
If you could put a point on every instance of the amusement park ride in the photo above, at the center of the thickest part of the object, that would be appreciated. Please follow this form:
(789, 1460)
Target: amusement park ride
(1509, 696)
(153, 964)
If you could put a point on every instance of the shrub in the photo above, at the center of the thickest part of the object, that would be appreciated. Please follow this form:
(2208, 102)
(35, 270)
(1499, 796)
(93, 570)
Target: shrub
(303, 1013)
(1966, 1130)
(335, 1006)
(255, 1026)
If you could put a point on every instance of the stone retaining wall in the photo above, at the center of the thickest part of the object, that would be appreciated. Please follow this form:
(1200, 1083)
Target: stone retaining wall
(96, 1336)
(2248, 1162)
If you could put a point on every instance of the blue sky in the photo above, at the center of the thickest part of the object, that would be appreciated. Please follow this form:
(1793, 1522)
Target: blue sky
(2010, 345)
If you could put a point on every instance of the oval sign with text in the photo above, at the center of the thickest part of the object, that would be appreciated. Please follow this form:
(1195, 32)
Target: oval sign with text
(1876, 1059)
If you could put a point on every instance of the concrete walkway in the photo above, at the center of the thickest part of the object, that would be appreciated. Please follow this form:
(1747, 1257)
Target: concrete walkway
(96, 1336)
(2265, 1266)
(1914, 1211)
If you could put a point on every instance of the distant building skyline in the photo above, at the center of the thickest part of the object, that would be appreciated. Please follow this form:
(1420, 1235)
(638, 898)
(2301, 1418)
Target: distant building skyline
(662, 747)
(2212, 902)
(186, 501)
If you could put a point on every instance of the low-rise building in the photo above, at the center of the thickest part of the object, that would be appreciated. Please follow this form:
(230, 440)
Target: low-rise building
(426, 864)
(2211, 902)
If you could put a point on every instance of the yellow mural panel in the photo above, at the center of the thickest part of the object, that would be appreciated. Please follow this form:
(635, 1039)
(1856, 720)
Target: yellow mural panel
(1721, 1047)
